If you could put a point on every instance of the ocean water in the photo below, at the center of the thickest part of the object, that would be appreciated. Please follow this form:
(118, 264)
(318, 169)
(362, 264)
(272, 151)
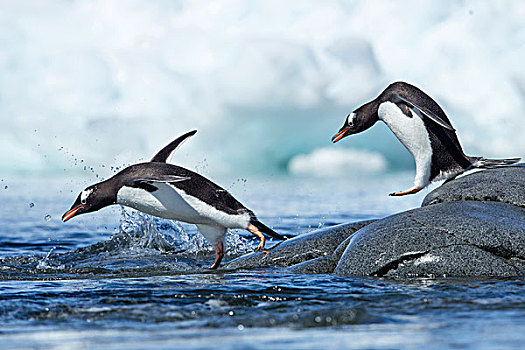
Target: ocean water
(118, 279)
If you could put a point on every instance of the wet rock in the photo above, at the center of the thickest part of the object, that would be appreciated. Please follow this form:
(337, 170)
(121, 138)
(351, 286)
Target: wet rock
(324, 264)
(462, 239)
(468, 261)
(308, 246)
(505, 185)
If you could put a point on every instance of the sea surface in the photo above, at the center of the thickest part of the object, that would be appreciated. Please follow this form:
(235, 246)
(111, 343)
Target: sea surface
(118, 279)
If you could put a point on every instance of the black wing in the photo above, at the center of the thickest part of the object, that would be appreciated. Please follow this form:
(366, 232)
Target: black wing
(163, 155)
(149, 183)
(149, 175)
(424, 111)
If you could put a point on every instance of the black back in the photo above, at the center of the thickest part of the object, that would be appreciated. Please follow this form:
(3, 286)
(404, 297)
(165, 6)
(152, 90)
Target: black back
(447, 152)
(143, 175)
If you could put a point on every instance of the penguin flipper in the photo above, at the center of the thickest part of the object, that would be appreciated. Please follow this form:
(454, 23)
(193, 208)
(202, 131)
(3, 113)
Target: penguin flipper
(149, 183)
(163, 155)
(424, 111)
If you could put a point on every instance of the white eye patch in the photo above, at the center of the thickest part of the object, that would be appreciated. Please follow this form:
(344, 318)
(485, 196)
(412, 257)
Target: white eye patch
(350, 119)
(84, 195)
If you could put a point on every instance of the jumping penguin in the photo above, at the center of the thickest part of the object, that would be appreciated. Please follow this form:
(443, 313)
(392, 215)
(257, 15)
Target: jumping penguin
(423, 128)
(172, 192)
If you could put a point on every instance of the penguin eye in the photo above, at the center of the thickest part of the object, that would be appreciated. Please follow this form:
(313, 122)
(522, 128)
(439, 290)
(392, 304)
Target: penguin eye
(84, 195)
(350, 119)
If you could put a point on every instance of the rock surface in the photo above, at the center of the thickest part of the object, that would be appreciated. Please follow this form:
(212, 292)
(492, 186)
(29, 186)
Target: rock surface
(505, 185)
(473, 226)
(324, 264)
(461, 239)
(308, 246)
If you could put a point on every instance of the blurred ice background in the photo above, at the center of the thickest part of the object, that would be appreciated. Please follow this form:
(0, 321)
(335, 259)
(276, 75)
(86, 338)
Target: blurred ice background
(101, 84)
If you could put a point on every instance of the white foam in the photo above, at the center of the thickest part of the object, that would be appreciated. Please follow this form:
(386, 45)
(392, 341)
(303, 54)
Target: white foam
(337, 162)
(427, 259)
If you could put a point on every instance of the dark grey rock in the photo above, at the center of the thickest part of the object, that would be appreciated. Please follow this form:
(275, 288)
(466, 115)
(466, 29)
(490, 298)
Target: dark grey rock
(307, 246)
(324, 264)
(468, 261)
(505, 185)
(454, 238)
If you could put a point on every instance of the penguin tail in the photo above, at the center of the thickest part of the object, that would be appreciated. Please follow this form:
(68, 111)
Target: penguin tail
(266, 230)
(493, 163)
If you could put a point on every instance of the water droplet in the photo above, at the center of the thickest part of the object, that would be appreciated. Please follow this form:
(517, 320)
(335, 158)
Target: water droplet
(47, 217)
(231, 313)
(240, 327)
(5, 187)
(31, 205)
(318, 319)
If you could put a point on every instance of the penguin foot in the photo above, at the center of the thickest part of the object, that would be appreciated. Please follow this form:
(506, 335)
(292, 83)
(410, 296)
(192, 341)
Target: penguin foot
(257, 233)
(219, 253)
(260, 248)
(403, 193)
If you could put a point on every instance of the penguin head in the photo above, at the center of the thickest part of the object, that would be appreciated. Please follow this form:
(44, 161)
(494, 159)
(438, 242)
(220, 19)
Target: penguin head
(357, 121)
(91, 199)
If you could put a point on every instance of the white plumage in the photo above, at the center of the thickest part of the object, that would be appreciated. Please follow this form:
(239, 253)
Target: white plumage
(414, 136)
(172, 203)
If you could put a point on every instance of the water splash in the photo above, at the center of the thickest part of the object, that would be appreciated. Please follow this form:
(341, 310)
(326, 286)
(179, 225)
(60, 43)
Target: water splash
(139, 230)
(43, 264)
(142, 245)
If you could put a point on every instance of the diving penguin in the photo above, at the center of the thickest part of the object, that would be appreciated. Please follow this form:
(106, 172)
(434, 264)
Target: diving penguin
(172, 192)
(423, 128)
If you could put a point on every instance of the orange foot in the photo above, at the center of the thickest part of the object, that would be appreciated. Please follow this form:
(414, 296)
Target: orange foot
(403, 193)
(259, 235)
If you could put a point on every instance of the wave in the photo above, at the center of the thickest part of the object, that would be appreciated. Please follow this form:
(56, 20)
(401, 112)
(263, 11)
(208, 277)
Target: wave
(141, 245)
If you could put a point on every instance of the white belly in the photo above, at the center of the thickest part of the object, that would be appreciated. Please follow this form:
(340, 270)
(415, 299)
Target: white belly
(171, 203)
(413, 135)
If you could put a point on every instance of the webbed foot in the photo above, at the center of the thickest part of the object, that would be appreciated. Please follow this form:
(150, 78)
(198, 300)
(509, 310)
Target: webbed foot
(404, 193)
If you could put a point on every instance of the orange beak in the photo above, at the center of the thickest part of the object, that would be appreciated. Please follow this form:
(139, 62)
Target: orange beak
(340, 135)
(71, 213)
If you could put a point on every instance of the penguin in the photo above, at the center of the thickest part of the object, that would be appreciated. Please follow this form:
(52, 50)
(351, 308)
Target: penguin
(173, 192)
(423, 128)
